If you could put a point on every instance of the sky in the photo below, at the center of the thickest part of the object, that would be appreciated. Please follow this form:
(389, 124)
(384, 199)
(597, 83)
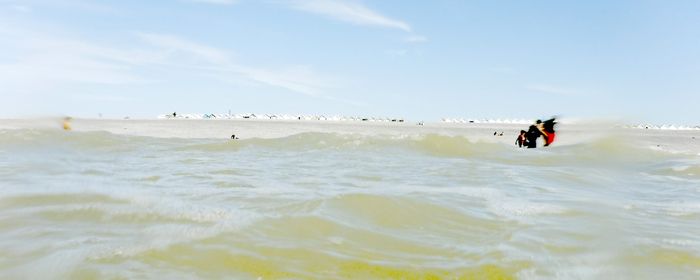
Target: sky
(420, 60)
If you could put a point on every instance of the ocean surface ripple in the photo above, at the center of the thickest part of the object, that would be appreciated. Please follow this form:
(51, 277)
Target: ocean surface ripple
(86, 205)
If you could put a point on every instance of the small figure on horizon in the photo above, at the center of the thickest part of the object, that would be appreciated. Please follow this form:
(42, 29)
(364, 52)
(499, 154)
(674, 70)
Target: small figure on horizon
(66, 123)
(494, 133)
(521, 140)
(174, 115)
(233, 137)
(500, 134)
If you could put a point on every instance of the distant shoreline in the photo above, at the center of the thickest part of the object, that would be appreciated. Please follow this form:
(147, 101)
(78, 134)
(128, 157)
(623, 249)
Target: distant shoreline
(674, 140)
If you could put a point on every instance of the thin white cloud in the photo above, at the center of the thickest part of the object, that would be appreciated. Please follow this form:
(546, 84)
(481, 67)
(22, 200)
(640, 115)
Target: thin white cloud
(550, 89)
(349, 11)
(175, 44)
(416, 39)
(218, 63)
(397, 52)
(22, 8)
(219, 2)
(42, 61)
(298, 78)
(503, 70)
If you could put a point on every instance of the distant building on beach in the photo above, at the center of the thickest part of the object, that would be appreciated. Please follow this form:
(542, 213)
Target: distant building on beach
(229, 115)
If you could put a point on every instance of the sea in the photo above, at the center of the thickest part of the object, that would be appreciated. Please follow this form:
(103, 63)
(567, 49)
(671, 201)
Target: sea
(95, 205)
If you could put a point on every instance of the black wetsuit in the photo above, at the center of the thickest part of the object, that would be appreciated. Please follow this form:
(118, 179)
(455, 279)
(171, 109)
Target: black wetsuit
(532, 134)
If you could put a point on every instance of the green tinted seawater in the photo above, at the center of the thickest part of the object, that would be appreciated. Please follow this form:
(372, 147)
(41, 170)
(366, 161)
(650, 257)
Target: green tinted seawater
(313, 205)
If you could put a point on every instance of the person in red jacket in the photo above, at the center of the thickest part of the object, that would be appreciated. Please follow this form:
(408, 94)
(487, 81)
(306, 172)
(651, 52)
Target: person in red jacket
(521, 140)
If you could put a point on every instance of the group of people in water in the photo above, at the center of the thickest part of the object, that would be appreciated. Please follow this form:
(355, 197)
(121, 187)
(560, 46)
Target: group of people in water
(545, 129)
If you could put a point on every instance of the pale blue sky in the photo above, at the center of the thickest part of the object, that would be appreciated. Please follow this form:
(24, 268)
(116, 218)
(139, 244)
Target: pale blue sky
(421, 60)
